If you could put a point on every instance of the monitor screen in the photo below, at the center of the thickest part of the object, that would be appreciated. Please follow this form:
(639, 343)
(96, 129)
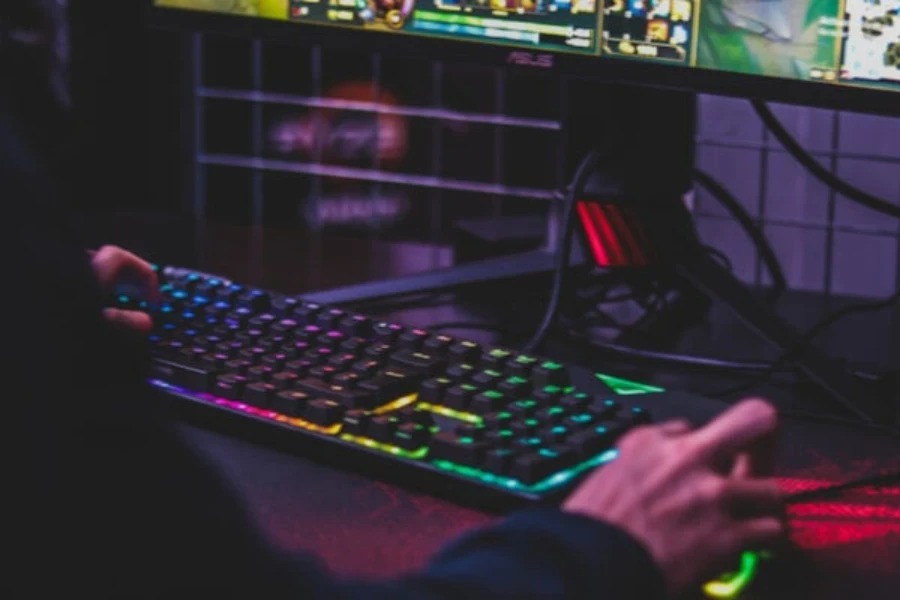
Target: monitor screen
(838, 43)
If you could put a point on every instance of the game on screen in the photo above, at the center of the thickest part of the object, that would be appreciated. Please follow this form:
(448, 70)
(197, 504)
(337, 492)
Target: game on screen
(853, 42)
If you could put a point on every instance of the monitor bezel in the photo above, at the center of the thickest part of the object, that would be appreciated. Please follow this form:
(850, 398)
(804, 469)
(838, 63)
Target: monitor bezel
(609, 70)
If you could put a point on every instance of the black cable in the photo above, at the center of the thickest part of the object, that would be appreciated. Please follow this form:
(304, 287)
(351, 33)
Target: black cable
(816, 169)
(721, 256)
(564, 250)
(731, 204)
(808, 337)
(883, 480)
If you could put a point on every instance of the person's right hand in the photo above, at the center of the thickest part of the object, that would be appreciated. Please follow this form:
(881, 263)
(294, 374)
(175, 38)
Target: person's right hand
(694, 499)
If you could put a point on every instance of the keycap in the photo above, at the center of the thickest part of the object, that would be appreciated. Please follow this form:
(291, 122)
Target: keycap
(465, 351)
(459, 396)
(521, 366)
(230, 386)
(306, 312)
(366, 368)
(496, 359)
(487, 378)
(285, 306)
(308, 333)
(319, 355)
(355, 422)
(329, 318)
(291, 403)
(259, 394)
(414, 415)
(438, 344)
(525, 427)
(284, 380)
(433, 390)
(523, 408)
(331, 339)
(499, 461)
(347, 398)
(342, 361)
(382, 428)
(238, 366)
(427, 364)
(197, 377)
(461, 371)
(323, 412)
(296, 349)
(579, 420)
(591, 441)
(253, 354)
(275, 360)
(497, 420)
(379, 351)
(548, 394)
(390, 384)
(262, 322)
(549, 373)
(387, 333)
(214, 361)
(250, 336)
(515, 387)
(555, 434)
(259, 373)
(551, 414)
(286, 326)
(604, 409)
(476, 432)
(488, 402)
(575, 402)
(355, 345)
(323, 372)
(348, 380)
(355, 325)
(460, 450)
(300, 367)
(500, 438)
(410, 436)
(533, 467)
(413, 339)
(256, 300)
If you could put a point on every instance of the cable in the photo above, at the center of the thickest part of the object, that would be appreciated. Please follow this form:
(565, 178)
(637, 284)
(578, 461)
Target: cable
(766, 253)
(883, 480)
(809, 336)
(564, 251)
(721, 256)
(817, 170)
(472, 325)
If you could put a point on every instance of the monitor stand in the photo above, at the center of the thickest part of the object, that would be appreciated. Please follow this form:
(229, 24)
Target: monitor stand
(647, 139)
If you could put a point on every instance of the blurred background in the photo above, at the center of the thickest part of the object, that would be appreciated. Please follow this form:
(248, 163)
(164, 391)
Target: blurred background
(236, 132)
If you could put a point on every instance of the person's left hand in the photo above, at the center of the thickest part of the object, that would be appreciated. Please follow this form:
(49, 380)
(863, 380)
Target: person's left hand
(114, 266)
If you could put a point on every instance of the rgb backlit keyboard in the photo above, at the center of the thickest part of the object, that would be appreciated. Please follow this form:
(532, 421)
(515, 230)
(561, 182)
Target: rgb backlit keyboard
(501, 420)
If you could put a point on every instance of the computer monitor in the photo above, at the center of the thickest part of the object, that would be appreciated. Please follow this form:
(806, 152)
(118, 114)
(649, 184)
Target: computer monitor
(833, 53)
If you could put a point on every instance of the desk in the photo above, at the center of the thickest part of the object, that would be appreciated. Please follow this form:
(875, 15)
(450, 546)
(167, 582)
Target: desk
(364, 527)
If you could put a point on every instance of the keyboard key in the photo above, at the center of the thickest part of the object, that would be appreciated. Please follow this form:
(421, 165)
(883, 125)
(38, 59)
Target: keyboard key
(575, 402)
(329, 318)
(259, 394)
(548, 395)
(551, 414)
(355, 422)
(323, 412)
(476, 432)
(387, 333)
(355, 325)
(214, 361)
(306, 312)
(604, 409)
(525, 427)
(390, 384)
(521, 366)
(413, 339)
(515, 387)
(342, 361)
(284, 380)
(590, 442)
(555, 434)
(550, 373)
(524, 408)
(273, 343)
(497, 420)
(379, 351)
(488, 402)
(414, 415)
(238, 366)
(382, 428)
(461, 372)
(291, 403)
(433, 390)
(323, 372)
(579, 420)
(411, 436)
(263, 321)
(260, 373)
(296, 349)
(230, 386)
(275, 360)
(496, 359)
(355, 345)
(460, 450)
(284, 306)
(459, 396)
(366, 368)
(348, 380)
(488, 378)
(308, 333)
(299, 367)
(534, 467)
(468, 352)
(348, 398)
(253, 354)
(438, 345)
(427, 364)
(286, 327)
(500, 438)
(499, 461)
(331, 339)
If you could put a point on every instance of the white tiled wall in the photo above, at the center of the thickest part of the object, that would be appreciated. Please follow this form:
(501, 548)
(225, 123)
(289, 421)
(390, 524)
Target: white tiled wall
(824, 241)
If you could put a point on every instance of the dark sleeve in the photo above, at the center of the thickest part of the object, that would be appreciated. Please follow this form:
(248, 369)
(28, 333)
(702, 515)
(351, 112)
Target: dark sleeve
(102, 497)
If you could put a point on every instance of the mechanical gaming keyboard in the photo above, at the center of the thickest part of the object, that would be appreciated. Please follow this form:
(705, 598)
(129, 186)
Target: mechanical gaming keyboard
(433, 407)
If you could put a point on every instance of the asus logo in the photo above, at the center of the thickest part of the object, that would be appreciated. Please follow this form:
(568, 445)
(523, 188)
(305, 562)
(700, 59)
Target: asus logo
(529, 59)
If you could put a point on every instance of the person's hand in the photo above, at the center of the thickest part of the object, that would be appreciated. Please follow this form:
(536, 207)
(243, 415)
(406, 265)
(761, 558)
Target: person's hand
(694, 499)
(113, 267)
